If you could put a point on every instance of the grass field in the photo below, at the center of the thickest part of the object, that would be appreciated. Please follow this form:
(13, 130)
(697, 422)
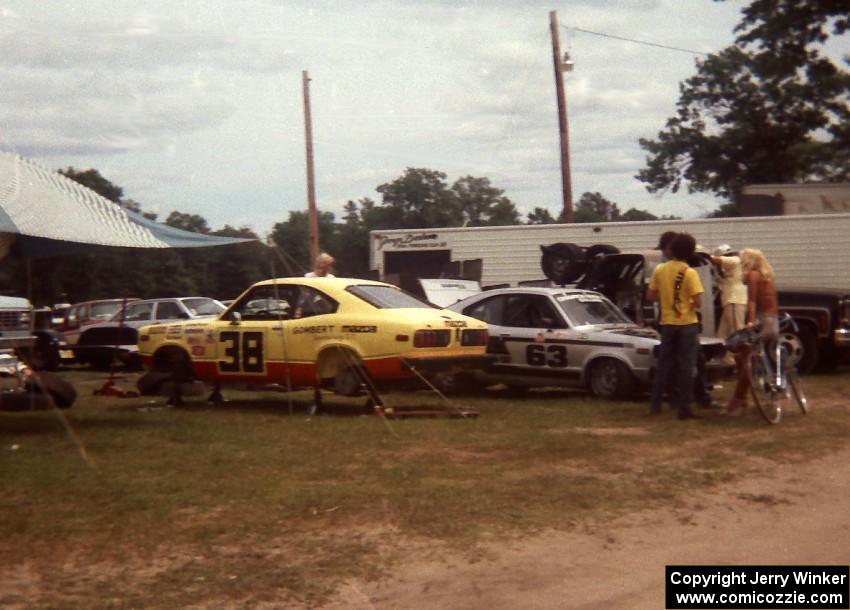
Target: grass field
(145, 506)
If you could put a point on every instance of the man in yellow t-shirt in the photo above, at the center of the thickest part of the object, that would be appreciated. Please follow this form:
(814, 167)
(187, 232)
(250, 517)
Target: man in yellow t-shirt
(679, 291)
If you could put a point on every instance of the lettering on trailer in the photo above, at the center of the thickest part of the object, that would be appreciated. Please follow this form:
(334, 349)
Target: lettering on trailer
(411, 240)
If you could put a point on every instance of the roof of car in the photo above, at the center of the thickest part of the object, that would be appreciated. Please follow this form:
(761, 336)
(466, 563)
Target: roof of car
(547, 290)
(337, 283)
(541, 290)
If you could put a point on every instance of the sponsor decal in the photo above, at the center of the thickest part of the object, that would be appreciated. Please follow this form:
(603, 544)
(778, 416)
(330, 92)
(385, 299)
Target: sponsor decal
(210, 337)
(353, 328)
(456, 324)
(313, 330)
(199, 350)
(193, 330)
(156, 330)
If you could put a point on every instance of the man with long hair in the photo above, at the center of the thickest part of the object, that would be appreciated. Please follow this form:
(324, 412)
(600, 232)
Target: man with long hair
(679, 291)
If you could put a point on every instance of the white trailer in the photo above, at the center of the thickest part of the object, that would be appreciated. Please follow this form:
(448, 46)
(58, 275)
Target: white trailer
(807, 251)
(810, 253)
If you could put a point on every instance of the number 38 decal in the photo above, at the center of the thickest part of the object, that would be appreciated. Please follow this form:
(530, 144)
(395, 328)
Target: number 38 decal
(243, 352)
(546, 355)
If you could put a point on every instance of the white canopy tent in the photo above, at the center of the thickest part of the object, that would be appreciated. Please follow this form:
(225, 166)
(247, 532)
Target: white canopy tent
(48, 213)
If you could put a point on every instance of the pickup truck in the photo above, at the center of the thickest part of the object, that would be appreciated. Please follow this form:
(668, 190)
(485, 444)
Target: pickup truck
(21, 388)
(823, 316)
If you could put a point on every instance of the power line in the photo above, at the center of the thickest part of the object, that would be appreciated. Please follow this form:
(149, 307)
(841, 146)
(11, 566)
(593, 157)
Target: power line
(649, 44)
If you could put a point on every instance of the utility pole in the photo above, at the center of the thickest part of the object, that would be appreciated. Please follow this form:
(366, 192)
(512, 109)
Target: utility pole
(566, 180)
(311, 183)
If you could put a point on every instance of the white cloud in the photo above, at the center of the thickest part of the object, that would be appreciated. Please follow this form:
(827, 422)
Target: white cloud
(197, 105)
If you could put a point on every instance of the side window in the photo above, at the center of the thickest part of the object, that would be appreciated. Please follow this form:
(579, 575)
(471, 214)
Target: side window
(533, 311)
(311, 302)
(268, 303)
(168, 310)
(140, 312)
(489, 310)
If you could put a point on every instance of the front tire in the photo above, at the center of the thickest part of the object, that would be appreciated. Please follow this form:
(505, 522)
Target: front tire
(767, 400)
(611, 379)
(797, 391)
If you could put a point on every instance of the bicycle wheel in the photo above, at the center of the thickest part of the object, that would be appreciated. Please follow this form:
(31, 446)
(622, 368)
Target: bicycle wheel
(761, 387)
(797, 390)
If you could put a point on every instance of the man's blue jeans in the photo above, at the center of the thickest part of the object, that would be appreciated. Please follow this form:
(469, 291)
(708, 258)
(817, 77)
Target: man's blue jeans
(679, 344)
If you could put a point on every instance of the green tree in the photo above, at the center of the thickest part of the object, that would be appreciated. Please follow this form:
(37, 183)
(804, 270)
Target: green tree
(482, 204)
(421, 198)
(635, 214)
(540, 216)
(92, 179)
(292, 239)
(772, 108)
(593, 207)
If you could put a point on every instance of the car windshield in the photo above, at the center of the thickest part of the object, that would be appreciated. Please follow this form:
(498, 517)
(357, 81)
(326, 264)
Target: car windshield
(583, 310)
(104, 311)
(387, 297)
(203, 307)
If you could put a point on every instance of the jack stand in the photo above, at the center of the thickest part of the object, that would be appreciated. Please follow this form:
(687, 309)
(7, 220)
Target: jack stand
(373, 402)
(317, 406)
(215, 398)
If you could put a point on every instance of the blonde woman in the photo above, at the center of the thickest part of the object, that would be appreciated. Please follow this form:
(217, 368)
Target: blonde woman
(762, 307)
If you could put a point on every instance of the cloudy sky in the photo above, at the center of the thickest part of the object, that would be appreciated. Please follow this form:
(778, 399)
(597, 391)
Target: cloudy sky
(197, 106)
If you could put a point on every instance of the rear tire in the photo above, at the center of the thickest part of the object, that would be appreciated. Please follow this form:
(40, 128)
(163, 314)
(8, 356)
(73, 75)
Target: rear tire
(348, 381)
(761, 387)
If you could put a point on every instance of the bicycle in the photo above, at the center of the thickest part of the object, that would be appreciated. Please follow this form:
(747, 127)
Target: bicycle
(772, 380)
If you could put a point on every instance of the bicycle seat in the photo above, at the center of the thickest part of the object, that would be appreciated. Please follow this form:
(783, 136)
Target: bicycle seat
(748, 336)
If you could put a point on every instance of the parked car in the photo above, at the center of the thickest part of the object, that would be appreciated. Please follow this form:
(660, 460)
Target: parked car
(80, 316)
(21, 388)
(316, 332)
(103, 342)
(567, 337)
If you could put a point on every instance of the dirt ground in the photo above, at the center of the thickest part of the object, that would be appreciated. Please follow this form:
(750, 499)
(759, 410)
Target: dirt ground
(798, 515)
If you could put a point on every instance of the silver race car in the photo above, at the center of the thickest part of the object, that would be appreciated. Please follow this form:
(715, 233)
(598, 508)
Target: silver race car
(568, 337)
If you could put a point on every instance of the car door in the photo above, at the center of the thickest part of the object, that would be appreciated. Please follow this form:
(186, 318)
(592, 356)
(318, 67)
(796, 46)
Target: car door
(272, 334)
(251, 338)
(531, 331)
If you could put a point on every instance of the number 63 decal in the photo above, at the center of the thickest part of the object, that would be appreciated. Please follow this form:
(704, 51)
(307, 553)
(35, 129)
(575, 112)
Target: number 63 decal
(546, 355)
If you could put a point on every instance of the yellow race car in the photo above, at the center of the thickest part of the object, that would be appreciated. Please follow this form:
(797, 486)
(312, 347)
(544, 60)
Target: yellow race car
(315, 332)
